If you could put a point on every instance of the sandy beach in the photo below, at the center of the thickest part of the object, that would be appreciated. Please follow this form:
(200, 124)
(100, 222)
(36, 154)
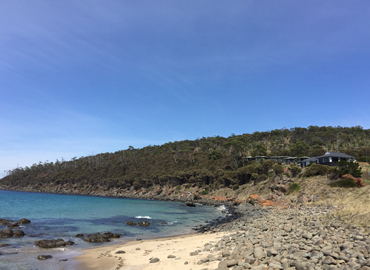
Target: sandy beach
(138, 254)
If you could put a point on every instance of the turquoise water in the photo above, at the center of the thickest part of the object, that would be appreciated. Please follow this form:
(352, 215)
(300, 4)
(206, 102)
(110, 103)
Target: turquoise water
(64, 216)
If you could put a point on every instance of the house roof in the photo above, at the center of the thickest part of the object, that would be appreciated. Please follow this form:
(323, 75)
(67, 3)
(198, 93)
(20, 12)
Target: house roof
(329, 154)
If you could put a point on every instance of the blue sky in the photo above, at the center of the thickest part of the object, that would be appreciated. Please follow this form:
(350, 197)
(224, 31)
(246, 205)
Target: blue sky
(84, 77)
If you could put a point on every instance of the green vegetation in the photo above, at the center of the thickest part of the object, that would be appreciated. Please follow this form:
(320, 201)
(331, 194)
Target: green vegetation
(345, 183)
(316, 169)
(206, 162)
(293, 187)
(349, 167)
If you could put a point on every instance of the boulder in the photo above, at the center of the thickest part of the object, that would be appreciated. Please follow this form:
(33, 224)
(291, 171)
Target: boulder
(190, 204)
(143, 224)
(6, 233)
(96, 238)
(13, 226)
(5, 221)
(23, 221)
(130, 223)
(18, 233)
(154, 260)
(112, 235)
(50, 243)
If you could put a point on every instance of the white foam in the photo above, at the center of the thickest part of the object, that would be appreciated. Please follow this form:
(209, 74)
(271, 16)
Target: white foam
(146, 217)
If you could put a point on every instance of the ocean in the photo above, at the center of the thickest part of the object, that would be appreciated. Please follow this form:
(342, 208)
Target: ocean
(63, 216)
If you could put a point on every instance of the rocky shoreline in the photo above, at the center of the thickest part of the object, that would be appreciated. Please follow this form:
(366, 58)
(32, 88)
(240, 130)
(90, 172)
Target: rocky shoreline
(300, 238)
(264, 235)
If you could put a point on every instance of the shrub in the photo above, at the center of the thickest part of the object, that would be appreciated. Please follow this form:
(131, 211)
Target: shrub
(348, 181)
(293, 187)
(178, 187)
(316, 169)
(345, 183)
(295, 170)
(349, 167)
(278, 169)
(235, 187)
(204, 192)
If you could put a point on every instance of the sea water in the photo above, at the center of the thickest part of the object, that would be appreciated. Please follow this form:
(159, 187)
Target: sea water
(63, 216)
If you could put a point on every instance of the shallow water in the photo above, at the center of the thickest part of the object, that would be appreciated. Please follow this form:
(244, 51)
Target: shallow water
(63, 216)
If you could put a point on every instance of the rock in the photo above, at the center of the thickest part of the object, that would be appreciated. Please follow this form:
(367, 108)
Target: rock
(171, 256)
(130, 223)
(23, 221)
(154, 260)
(225, 253)
(50, 243)
(44, 257)
(79, 235)
(96, 238)
(69, 243)
(112, 235)
(18, 233)
(194, 253)
(329, 260)
(143, 224)
(120, 252)
(302, 198)
(6, 233)
(5, 221)
(259, 253)
(190, 204)
(13, 226)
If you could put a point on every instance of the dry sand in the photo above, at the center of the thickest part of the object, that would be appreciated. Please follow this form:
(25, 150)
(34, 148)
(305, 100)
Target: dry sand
(138, 254)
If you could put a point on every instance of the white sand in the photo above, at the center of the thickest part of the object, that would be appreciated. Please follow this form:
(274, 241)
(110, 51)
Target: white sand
(105, 258)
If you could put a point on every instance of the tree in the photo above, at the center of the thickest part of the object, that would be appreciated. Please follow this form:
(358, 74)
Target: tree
(349, 167)
(259, 150)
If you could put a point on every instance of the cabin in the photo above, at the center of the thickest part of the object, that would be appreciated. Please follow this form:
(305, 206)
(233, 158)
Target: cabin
(330, 159)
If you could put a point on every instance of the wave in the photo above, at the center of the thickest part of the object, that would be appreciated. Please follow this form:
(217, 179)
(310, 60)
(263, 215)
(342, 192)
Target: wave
(146, 217)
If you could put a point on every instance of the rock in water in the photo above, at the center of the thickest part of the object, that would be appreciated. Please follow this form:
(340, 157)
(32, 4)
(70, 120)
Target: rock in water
(131, 223)
(18, 233)
(23, 221)
(190, 204)
(6, 233)
(50, 243)
(143, 224)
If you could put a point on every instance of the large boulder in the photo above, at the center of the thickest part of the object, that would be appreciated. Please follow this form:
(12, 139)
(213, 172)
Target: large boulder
(143, 224)
(23, 221)
(6, 233)
(190, 204)
(5, 221)
(96, 238)
(112, 235)
(18, 233)
(13, 226)
(130, 223)
(50, 243)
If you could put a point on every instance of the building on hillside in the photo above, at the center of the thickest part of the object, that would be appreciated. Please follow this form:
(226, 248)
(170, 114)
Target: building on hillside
(283, 159)
(330, 158)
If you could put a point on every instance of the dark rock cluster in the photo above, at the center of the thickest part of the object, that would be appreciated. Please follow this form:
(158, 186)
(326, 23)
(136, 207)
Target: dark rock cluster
(53, 243)
(98, 237)
(10, 224)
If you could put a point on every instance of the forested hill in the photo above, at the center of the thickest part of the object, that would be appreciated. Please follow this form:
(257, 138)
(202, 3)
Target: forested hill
(206, 161)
